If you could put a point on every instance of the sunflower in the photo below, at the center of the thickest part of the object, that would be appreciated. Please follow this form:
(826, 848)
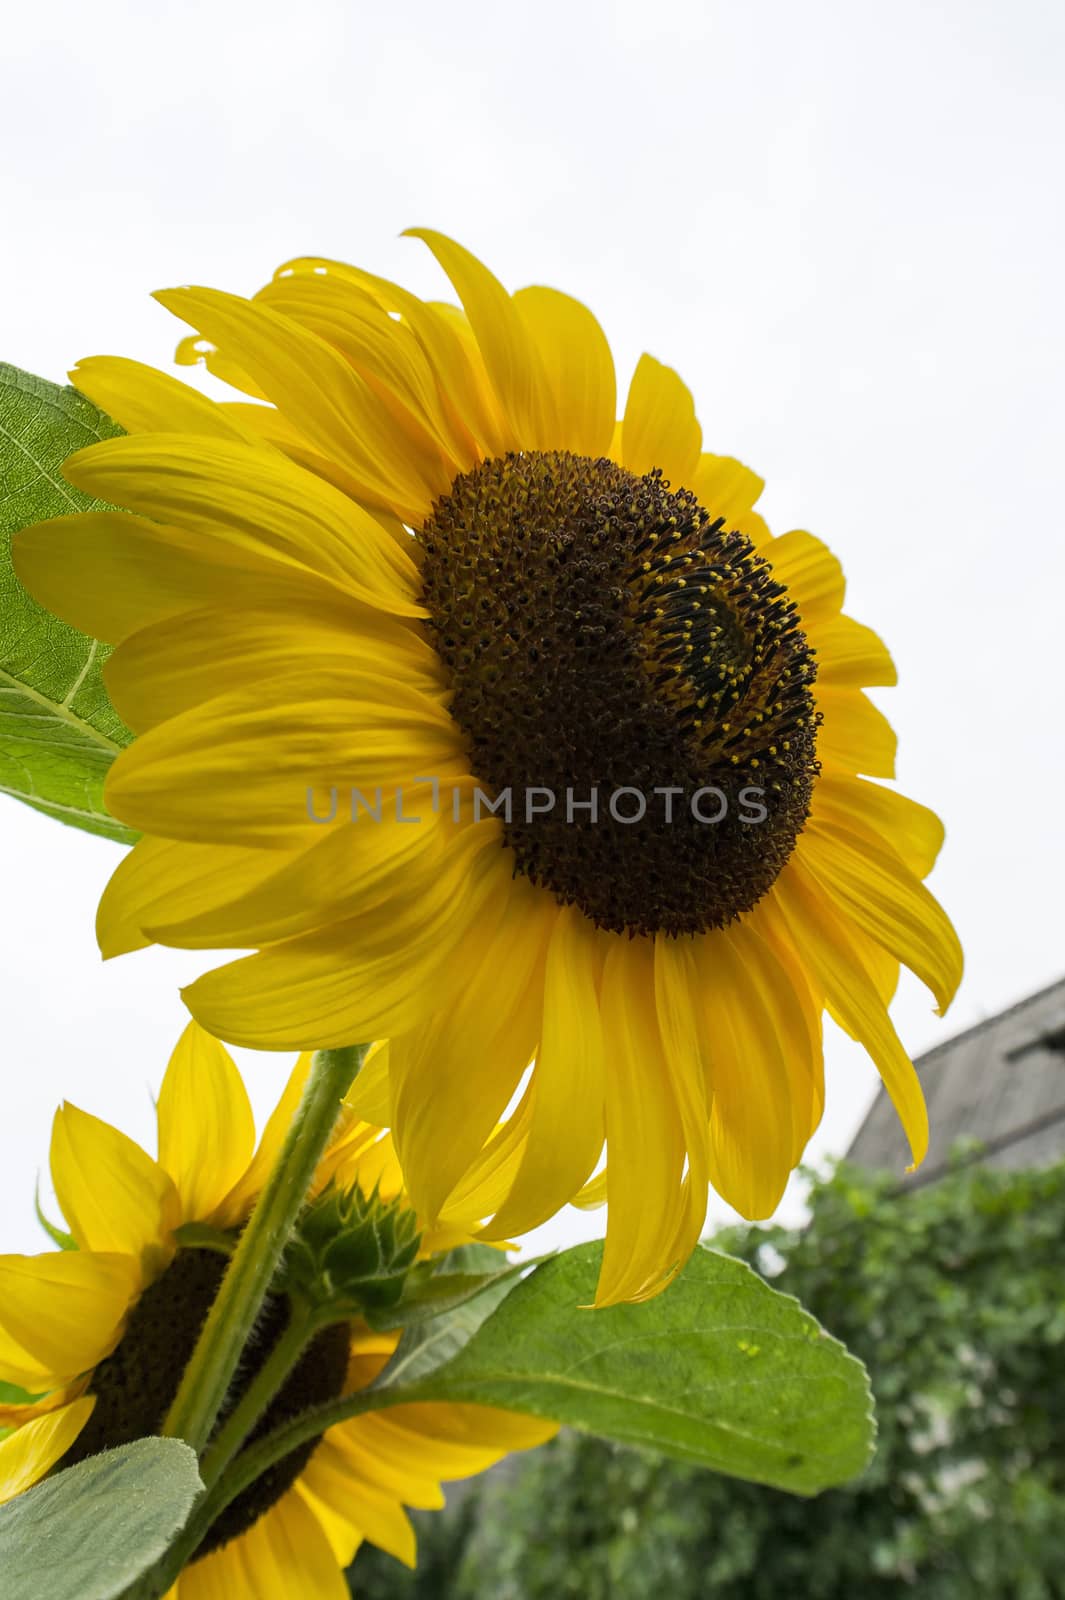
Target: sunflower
(420, 569)
(102, 1333)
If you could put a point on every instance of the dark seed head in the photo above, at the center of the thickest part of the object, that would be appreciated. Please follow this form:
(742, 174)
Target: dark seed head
(605, 633)
(136, 1383)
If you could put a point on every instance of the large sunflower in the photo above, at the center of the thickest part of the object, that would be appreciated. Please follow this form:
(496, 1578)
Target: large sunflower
(103, 1332)
(434, 554)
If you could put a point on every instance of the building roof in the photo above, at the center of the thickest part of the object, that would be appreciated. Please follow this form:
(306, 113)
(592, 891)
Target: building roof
(1001, 1082)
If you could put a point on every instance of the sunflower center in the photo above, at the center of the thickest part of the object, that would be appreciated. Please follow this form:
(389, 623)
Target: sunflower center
(136, 1383)
(632, 683)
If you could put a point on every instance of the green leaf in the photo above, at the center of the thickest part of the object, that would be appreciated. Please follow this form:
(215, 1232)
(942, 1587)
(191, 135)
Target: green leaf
(720, 1370)
(58, 730)
(467, 1296)
(434, 1296)
(91, 1531)
(12, 1395)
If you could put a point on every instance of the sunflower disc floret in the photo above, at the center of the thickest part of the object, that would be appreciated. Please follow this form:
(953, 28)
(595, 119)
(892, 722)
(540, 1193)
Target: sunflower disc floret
(609, 637)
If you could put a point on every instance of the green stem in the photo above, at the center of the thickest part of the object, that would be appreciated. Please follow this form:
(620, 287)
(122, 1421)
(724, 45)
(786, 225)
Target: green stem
(244, 1470)
(232, 1317)
(264, 1386)
(310, 1424)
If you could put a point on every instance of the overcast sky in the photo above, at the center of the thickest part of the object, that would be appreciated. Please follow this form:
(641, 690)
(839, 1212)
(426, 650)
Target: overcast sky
(842, 222)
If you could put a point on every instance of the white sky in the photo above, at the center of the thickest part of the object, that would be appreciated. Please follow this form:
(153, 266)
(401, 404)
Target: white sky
(841, 222)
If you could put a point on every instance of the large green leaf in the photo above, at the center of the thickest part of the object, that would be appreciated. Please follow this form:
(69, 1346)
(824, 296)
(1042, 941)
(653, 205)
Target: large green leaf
(91, 1531)
(58, 730)
(720, 1370)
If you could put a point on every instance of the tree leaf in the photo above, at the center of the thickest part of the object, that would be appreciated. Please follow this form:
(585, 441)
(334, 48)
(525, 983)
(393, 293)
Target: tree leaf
(91, 1531)
(58, 730)
(720, 1370)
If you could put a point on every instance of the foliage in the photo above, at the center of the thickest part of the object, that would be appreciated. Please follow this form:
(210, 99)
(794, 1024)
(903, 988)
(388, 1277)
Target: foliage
(952, 1295)
(89, 1532)
(58, 731)
(719, 1370)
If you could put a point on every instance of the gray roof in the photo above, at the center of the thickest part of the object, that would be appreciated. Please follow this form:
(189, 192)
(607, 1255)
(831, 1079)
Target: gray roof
(1002, 1082)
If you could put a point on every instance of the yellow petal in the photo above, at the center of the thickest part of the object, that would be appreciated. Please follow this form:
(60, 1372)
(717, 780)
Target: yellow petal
(318, 390)
(824, 940)
(482, 412)
(146, 401)
(206, 1127)
(676, 977)
(418, 1445)
(238, 770)
(850, 654)
(142, 572)
(252, 501)
(35, 1448)
(173, 665)
(565, 1131)
(194, 351)
(266, 424)
(371, 1456)
(113, 1195)
(913, 831)
(379, 974)
(223, 1575)
(344, 1535)
(452, 1079)
(810, 572)
(445, 336)
(725, 487)
(61, 1313)
(487, 1182)
(370, 1097)
(381, 350)
(332, 1480)
(348, 868)
(795, 1006)
(593, 1194)
(359, 1153)
(501, 334)
(578, 370)
(238, 1202)
(855, 735)
(882, 968)
(873, 887)
(763, 1074)
(161, 878)
(288, 1556)
(660, 428)
(451, 1437)
(645, 1141)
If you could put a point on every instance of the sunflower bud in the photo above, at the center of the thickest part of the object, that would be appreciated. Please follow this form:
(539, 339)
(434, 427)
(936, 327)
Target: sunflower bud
(352, 1251)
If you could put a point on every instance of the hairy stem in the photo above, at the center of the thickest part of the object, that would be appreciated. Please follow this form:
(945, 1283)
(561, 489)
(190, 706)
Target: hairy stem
(264, 1386)
(233, 1315)
(310, 1424)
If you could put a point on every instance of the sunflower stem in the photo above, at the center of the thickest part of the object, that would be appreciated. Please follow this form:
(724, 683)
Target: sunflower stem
(248, 1466)
(264, 1453)
(232, 1317)
(270, 1378)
